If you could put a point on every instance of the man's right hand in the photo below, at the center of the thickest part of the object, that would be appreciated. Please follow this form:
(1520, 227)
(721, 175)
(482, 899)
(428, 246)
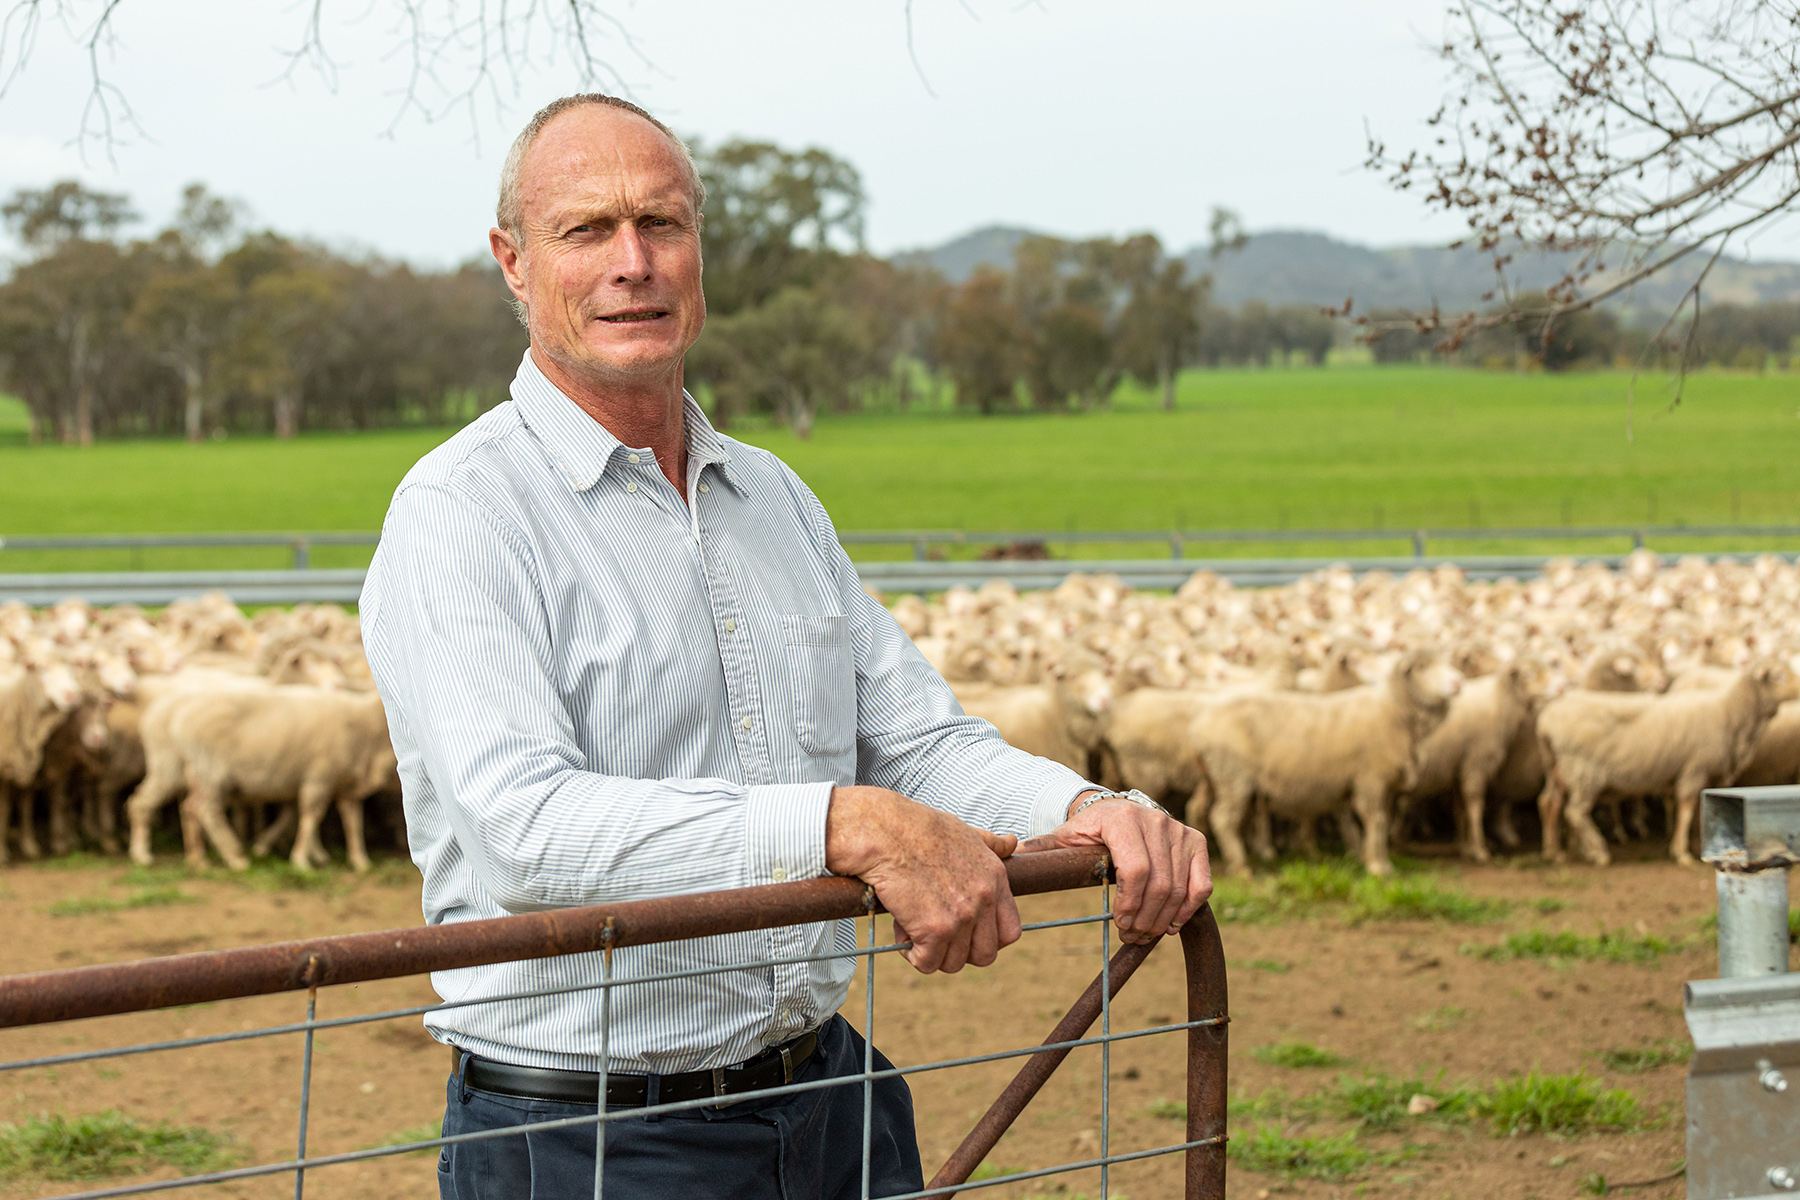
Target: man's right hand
(941, 879)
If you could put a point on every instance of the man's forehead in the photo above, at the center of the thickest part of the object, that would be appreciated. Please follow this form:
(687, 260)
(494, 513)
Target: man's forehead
(597, 155)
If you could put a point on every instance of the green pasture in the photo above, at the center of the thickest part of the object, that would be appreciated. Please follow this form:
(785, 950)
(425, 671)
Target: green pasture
(1394, 448)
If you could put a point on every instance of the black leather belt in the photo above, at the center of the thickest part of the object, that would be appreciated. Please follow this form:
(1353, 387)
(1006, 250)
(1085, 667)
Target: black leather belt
(773, 1067)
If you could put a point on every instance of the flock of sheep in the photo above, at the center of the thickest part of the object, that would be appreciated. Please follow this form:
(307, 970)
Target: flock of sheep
(1389, 704)
(236, 715)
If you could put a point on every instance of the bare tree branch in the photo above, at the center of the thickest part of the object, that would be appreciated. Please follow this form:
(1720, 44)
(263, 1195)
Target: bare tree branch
(1626, 132)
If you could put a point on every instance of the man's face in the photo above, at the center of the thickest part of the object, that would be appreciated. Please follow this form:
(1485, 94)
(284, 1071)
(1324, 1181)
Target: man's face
(610, 265)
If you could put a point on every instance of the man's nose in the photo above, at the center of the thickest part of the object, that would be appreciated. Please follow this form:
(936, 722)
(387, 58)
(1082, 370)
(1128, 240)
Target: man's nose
(631, 258)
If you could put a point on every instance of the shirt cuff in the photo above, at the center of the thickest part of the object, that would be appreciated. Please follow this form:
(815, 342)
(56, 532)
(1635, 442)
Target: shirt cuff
(1051, 808)
(787, 831)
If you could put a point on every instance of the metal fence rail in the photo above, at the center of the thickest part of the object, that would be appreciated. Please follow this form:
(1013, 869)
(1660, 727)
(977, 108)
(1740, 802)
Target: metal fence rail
(922, 540)
(309, 964)
(345, 586)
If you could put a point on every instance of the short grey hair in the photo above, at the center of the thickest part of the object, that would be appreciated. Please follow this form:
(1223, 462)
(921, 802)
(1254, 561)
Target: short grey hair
(508, 214)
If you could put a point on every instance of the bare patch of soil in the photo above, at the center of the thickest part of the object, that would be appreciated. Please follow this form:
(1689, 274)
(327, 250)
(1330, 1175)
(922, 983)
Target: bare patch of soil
(1398, 998)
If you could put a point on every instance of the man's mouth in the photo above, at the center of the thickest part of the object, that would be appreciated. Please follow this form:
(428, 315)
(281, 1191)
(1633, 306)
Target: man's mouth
(640, 314)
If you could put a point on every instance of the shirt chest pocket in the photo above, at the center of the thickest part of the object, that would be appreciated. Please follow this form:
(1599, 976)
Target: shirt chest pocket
(823, 670)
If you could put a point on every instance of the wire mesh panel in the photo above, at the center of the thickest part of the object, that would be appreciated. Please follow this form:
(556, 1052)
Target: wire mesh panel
(261, 970)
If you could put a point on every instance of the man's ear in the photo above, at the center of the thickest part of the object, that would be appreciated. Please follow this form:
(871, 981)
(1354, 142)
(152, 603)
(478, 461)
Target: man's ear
(511, 258)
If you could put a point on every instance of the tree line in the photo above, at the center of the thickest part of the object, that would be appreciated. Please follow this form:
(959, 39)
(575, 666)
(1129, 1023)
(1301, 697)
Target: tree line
(206, 329)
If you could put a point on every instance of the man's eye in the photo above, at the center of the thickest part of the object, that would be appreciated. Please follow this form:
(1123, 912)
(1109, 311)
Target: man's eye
(582, 229)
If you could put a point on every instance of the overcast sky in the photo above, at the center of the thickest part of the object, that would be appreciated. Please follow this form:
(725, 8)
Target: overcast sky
(1078, 118)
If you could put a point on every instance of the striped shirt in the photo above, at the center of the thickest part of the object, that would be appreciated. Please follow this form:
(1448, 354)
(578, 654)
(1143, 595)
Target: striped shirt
(599, 693)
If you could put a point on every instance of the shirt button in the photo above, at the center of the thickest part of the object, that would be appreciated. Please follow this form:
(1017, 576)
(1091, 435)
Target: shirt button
(730, 625)
(632, 458)
(746, 722)
(703, 489)
(632, 486)
(778, 874)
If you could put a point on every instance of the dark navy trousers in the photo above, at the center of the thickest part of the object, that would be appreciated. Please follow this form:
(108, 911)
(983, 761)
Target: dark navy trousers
(803, 1146)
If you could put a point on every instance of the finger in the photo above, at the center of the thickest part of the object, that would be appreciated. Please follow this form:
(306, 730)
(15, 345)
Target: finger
(1002, 844)
(1173, 859)
(984, 938)
(1131, 864)
(957, 944)
(1162, 893)
(1200, 885)
(927, 953)
(1043, 841)
(1008, 918)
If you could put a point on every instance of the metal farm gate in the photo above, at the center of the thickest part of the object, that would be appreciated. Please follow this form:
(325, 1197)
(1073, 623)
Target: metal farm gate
(308, 965)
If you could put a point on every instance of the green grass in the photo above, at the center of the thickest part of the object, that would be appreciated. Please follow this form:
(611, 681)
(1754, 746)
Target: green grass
(1447, 1016)
(105, 1144)
(988, 1170)
(150, 897)
(1270, 965)
(1330, 1157)
(1663, 1052)
(1534, 1103)
(1378, 1102)
(1305, 889)
(1536, 944)
(418, 1133)
(1295, 1055)
(1352, 447)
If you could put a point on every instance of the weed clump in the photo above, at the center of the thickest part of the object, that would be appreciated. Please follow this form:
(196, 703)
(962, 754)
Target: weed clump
(1603, 947)
(150, 897)
(1330, 1157)
(1296, 1055)
(1652, 1054)
(1301, 889)
(105, 1144)
(1534, 1103)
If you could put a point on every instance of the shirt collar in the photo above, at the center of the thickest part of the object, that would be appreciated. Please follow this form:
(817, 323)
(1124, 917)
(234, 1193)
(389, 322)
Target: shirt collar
(582, 449)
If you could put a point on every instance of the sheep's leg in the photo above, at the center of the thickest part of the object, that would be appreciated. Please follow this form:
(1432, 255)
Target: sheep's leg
(314, 800)
(1550, 810)
(1227, 816)
(1262, 830)
(193, 834)
(1474, 809)
(350, 812)
(1505, 832)
(1371, 803)
(62, 814)
(28, 842)
(106, 817)
(1348, 829)
(90, 814)
(1687, 802)
(273, 832)
(1640, 818)
(1581, 823)
(209, 807)
(1198, 804)
(150, 795)
(1615, 817)
(1306, 838)
(240, 821)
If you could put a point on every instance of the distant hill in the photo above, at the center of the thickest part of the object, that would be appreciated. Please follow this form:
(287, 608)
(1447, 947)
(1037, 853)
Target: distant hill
(1286, 266)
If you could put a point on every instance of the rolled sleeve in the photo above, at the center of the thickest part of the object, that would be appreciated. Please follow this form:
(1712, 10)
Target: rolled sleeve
(786, 827)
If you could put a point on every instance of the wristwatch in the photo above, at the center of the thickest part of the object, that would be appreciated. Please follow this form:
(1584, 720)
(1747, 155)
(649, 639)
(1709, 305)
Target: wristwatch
(1132, 795)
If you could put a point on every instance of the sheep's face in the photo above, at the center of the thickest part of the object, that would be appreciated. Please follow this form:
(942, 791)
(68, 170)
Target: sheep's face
(1777, 682)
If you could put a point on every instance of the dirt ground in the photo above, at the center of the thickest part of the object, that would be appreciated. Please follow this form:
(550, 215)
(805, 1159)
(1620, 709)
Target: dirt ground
(1397, 998)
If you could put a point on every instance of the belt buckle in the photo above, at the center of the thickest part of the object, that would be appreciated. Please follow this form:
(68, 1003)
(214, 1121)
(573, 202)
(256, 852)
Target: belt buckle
(718, 1080)
(787, 1062)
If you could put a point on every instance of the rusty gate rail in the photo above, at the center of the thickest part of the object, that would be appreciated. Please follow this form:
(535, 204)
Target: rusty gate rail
(115, 988)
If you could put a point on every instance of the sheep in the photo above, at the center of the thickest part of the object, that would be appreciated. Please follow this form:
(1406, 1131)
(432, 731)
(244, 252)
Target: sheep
(1306, 753)
(32, 707)
(1776, 759)
(1467, 751)
(278, 745)
(1060, 721)
(1595, 743)
(1148, 747)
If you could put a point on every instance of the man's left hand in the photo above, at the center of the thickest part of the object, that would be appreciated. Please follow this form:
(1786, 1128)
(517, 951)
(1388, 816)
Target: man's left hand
(1161, 864)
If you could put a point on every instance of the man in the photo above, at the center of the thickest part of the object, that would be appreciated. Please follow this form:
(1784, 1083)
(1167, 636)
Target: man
(624, 656)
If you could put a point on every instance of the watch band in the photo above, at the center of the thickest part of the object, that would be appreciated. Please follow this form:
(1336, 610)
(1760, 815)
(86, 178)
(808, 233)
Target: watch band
(1131, 795)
